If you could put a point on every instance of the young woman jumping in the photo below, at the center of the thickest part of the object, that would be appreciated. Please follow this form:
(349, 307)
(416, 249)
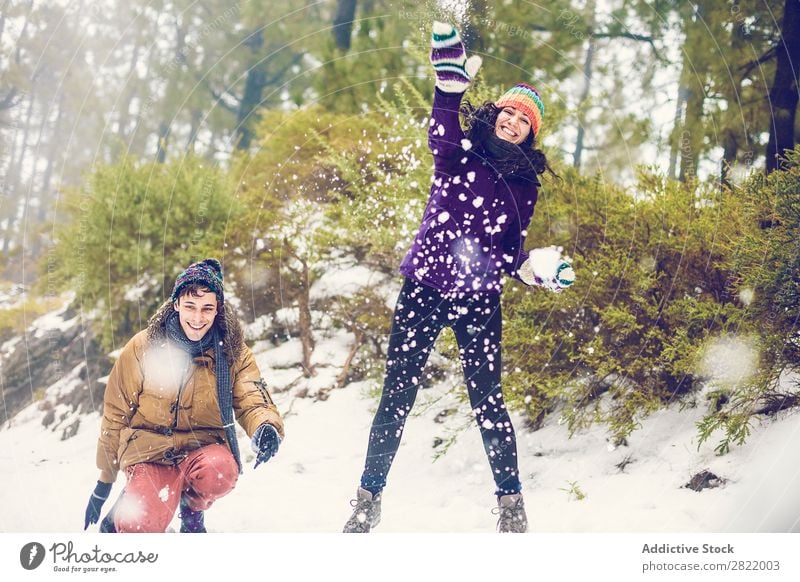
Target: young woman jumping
(481, 202)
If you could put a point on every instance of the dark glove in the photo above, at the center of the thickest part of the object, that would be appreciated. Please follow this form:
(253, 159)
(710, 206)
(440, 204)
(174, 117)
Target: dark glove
(265, 443)
(96, 501)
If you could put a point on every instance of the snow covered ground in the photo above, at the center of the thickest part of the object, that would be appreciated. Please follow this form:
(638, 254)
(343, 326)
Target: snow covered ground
(578, 484)
(307, 487)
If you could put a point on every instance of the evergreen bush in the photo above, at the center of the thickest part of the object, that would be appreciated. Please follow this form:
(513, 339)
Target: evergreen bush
(130, 231)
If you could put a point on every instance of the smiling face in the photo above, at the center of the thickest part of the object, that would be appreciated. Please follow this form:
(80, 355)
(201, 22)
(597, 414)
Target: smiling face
(196, 311)
(512, 125)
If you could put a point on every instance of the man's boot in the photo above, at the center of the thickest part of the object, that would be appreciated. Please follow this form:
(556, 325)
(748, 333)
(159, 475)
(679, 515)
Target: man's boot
(191, 520)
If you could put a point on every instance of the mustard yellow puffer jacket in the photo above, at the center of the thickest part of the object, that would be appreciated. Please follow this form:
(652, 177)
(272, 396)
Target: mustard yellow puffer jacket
(160, 404)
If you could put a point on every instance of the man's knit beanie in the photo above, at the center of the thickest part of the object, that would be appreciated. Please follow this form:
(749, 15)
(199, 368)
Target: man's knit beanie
(207, 273)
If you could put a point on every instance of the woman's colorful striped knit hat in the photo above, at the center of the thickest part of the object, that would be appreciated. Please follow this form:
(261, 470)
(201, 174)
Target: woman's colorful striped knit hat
(526, 99)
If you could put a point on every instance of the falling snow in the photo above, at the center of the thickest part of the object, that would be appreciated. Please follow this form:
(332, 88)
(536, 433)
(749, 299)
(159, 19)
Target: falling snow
(165, 366)
(730, 359)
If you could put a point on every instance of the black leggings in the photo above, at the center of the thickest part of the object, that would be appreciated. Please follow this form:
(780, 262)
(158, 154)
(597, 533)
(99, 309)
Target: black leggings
(421, 314)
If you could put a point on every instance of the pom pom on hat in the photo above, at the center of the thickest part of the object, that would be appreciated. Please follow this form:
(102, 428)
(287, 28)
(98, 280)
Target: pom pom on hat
(526, 99)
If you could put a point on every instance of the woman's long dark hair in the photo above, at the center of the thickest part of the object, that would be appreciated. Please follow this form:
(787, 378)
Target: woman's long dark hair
(522, 161)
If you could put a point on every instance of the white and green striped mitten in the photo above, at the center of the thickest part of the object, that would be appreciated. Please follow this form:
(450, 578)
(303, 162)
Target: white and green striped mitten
(454, 71)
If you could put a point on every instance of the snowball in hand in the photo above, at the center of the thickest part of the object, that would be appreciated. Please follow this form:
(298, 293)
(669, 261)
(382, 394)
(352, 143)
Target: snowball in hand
(547, 268)
(546, 261)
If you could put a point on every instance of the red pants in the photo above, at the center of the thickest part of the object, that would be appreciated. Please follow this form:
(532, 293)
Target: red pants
(153, 491)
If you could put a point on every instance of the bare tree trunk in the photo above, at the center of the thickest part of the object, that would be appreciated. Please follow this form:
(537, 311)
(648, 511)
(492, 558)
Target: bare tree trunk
(306, 334)
(360, 336)
(692, 134)
(784, 92)
(23, 148)
(693, 79)
(52, 156)
(343, 23)
(7, 213)
(197, 118)
(587, 84)
(130, 93)
(163, 137)
(733, 136)
(27, 215)
(730, 150)
(8, 202)
(43, 189)
(253, 88)
(304, 310)
(3, 12)
(20, 148)
(691, 141)
(687, 136)
(471, 32)
(675, 140)
(20, 42)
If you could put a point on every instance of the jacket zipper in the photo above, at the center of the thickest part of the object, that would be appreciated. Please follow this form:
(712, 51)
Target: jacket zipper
(177, 406)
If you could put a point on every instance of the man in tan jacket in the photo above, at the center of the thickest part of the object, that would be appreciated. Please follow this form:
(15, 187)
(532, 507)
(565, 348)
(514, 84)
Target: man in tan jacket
(168, 411)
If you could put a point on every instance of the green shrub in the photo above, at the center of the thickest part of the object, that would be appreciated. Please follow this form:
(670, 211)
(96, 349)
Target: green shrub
(129, 232)
(766, 260)
(651, 289)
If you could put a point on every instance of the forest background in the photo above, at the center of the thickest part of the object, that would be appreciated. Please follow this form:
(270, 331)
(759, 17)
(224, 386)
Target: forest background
(287, 138)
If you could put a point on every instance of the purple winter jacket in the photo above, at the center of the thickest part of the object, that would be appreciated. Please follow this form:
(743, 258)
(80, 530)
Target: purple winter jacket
(475, 222)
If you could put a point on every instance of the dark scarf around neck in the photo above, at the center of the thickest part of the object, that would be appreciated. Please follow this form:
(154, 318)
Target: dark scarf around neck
(507, 158)
(176, 335)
